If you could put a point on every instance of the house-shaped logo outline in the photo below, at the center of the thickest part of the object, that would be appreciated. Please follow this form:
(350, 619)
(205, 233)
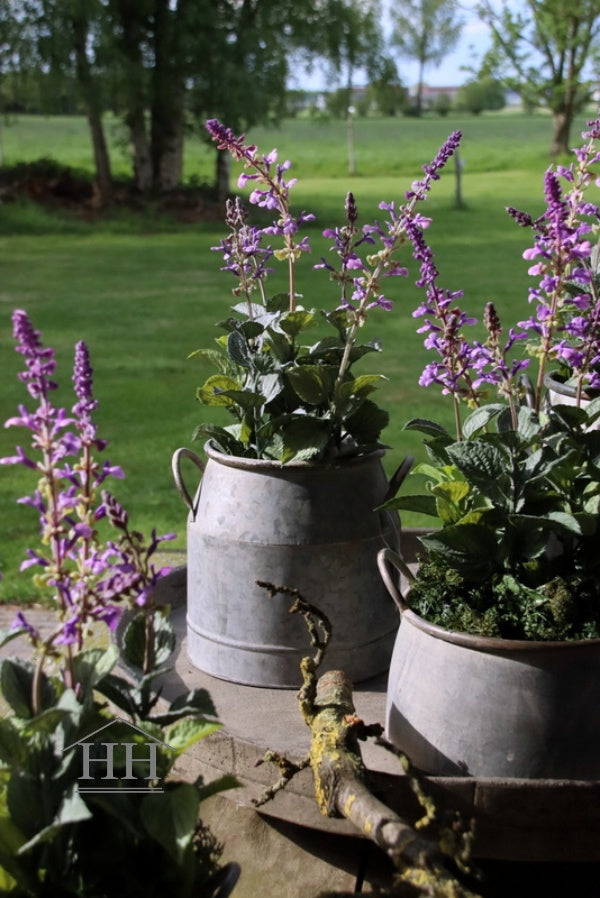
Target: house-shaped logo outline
(147, 738)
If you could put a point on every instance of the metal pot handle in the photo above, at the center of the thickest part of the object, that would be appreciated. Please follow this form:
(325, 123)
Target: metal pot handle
(385, 558)
(176, 466)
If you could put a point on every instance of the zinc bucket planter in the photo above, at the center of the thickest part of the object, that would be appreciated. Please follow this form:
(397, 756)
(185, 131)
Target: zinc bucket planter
(308, 526)
(459, 704)
(560, 393)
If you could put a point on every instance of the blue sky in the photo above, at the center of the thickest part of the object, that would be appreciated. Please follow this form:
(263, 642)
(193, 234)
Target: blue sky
(473, 42)
(471, 47)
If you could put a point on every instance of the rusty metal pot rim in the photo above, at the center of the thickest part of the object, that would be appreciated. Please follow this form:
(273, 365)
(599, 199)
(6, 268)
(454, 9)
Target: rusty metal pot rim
(491, 644)
(239, 461)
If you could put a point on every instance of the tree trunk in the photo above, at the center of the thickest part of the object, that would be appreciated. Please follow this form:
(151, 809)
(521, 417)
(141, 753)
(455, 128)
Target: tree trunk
(419, 103)
(93, 112)
(222, 171)
(167, 108)
(561, 129)
(142, 160)
(167, 145)
(130, 23)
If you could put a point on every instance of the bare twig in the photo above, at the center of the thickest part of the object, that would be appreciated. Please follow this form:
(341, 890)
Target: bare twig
(288, 769)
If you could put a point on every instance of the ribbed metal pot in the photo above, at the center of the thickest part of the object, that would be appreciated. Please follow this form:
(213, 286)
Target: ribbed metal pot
(464, 705)
(307, 526)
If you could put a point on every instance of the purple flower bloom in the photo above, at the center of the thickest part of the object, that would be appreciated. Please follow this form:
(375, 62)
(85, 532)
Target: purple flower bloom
(20, 622)
(432, 169)
(565, 324)
(271, 192)
(87, 580)
(83, 381)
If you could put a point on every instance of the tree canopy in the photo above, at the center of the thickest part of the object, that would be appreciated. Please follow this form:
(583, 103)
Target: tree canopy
(543, 49)
(426, 31)
(163, 66)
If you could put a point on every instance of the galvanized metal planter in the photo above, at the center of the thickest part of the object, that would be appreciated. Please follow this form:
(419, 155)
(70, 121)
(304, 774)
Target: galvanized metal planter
(308, 526)
(465, 705)
(559, 393)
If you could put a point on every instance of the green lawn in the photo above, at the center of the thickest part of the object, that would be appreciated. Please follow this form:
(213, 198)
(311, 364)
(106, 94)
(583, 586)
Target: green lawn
(493, 142)
(144, 293)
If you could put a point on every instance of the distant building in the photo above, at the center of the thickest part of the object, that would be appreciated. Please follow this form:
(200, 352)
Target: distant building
(429, 95)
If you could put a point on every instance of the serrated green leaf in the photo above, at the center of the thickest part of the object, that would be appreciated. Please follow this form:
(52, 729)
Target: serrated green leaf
(470, 549)
(11, 742)
(135, 639)
(454, 491)
(337, 319)
(360, 386)
(438, 475)
(171, 818)
(428, 427)
(367, 422)
(449, 497)
(593, 410)
(327, 349)
(528, 423)
(251, 310)
(221, 437)
(197, 702)
(592, 505)
(280, 345)
(271, 386)
(213, 391)
(245, 399)
(216, 358)
(294, 323)
(8, 883)
(16, 682)
(481, 463)
(118, 691)
(238, 349)
(185, 733)
(279, 302)
(253, 329)
(11, 871)
(567, 415)
(304, 437)
(72, 810)
(90, 666)
(419, 503)
(16, 679)
(311, 383)
(219, 785)
(480, 418)
(46, 721)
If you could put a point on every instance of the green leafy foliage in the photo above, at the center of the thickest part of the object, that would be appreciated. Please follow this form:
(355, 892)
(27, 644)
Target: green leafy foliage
(56, 839)
(284, 394)
(517, 551)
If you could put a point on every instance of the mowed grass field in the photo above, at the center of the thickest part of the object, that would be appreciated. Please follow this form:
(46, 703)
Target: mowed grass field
(144, 292)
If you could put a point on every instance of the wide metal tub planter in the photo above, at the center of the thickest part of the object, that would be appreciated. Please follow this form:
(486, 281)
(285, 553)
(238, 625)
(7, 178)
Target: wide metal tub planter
(313, 527)
(465, 705)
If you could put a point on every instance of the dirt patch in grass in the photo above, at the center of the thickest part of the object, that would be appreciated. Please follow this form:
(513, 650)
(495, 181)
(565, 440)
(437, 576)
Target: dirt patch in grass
(56, 186)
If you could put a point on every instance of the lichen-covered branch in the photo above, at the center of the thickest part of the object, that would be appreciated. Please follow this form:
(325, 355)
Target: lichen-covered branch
(287, 770)
(341, 779)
